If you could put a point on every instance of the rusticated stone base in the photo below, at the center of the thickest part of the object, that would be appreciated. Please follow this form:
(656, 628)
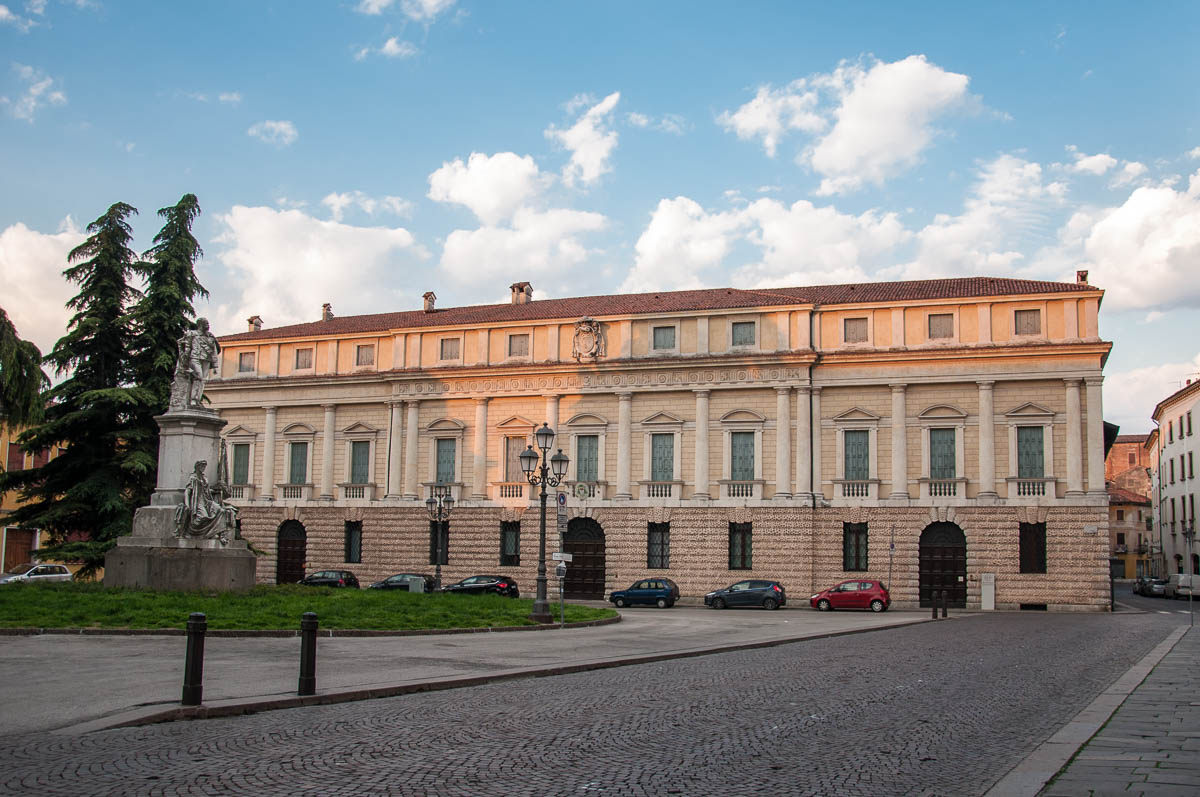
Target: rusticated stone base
(181, 569)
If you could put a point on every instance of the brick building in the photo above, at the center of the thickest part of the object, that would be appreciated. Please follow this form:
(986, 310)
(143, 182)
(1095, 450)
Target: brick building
(940, 434)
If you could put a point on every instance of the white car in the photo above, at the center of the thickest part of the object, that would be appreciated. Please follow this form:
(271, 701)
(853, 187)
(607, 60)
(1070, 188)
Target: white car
(36, 573)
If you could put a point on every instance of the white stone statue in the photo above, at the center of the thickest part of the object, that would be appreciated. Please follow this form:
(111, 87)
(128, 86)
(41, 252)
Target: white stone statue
(204, 512)
(198, 353)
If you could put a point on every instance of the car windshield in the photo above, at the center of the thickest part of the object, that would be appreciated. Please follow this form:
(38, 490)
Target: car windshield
(20, 569)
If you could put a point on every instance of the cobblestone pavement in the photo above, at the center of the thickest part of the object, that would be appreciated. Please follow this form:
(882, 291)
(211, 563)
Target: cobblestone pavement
(934, 709)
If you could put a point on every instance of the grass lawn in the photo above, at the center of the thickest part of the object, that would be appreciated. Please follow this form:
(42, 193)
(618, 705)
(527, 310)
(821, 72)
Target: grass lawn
(88, 605)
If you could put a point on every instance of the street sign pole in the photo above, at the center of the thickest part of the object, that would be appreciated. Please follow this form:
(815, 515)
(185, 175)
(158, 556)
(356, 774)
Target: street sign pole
(561, 572)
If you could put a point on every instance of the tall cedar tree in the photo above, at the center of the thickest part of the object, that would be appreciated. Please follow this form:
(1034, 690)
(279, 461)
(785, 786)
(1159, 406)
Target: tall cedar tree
(161, 317)
(21, 377)
(82, 497)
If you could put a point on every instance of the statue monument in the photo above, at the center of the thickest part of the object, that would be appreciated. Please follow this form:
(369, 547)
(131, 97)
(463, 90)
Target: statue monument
(187, 538)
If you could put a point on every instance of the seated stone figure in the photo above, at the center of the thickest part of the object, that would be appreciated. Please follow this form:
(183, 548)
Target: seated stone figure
(203, 513)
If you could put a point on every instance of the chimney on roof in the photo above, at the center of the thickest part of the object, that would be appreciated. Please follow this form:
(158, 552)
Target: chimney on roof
(430, 297)
(522, 292)
(326, 311)
(1081, 277)
(254, 323)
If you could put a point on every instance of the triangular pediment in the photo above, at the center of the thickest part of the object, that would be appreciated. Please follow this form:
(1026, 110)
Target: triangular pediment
(358, 427)
(298, 428)
(1030, 410)
(942, 411)
(662, 418)
(587, 419)
(516, 422)
(241, 431)
(742, 415)
(856, 414)
(446, 425)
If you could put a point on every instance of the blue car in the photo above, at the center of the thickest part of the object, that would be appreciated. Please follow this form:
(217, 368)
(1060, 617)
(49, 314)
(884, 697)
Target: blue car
(661, 592)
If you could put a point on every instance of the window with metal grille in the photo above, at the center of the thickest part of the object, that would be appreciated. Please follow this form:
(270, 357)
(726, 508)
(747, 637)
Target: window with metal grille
(510, 542)
(298, 463)
(658, 546)
(587, 448)
(364, 355)
(854, 330)
(304, 358)
(439, 544)
(449, 349)
(741, 546)
(1033, 547)
(857, 449)
(246, 362)
(241, 463)
(941, 325)
(518, 345)
(854, 546)
(353, 542)
(513, 446)
(662, 457)
(942, 454)
(445, 459)
(741, 445)
(664, 338)
(742, 333)
(1030, 454)
(360, 461)
(1027, 322)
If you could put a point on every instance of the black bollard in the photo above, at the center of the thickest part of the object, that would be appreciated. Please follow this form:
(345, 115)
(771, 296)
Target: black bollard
(193, 663)
(933, 601)
(308, 654)
(945, 601)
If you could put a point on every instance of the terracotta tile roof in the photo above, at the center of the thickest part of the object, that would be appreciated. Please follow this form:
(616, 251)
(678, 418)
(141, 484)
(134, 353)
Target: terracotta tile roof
(1132, 438)
(1118, 495)
(664, 302)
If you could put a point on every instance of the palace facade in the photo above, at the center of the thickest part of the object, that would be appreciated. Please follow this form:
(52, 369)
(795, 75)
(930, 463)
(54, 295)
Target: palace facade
(938, 435)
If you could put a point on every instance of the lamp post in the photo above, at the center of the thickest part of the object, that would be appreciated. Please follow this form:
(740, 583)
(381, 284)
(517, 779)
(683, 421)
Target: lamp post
(538, 474)
(1189, 533)
(439, 503)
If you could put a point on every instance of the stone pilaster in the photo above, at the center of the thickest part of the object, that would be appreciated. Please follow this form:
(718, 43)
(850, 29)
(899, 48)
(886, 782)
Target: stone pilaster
(803, 443)
(479, 467)
(1095, 435)
(268, 470)
(1075, 440)
(783, 442)
(987, 441)
(624, 445)
(395, 450)
(817, 476)
(411, 440)
(899, 442)
(701, 488)
(327, 452)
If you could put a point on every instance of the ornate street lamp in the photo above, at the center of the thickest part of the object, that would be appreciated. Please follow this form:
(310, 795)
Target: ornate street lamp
(543, 476)
(439, 503)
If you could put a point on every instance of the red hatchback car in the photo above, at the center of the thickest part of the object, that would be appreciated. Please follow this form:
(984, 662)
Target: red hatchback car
(856, 594)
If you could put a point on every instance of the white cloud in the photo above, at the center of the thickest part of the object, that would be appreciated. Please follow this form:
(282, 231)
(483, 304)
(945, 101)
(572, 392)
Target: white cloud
(338, 202)
(373, 6)
(40, 92)
(773, 112)
(1153, 316)
(36, 7)
(279, 133)
(1130, 396)
(638, 119)
(230, 97)
(1090, 164)
(394, 48)
(287, 264)
(420, 10)
(1129, 172)
(589, 141)
(493, 187)
(35, 290)
(7, 17)
(671, 123)
(681, 246)
(1194, 153)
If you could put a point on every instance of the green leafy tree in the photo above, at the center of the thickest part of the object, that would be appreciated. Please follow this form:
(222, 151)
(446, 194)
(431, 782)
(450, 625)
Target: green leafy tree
(21, 377)
(83, 497)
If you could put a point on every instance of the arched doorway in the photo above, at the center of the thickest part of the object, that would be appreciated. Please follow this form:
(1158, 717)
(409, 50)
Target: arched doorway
(943, 564)
(584, 540)
(291, 552)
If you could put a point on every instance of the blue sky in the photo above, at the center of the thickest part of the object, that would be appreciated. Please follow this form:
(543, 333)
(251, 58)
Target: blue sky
(364, 152)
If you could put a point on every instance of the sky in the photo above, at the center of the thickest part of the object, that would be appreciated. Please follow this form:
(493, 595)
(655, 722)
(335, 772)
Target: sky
(364, 152)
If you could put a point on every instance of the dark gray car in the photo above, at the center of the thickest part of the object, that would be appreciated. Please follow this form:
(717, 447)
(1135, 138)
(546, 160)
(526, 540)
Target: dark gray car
(752, 592)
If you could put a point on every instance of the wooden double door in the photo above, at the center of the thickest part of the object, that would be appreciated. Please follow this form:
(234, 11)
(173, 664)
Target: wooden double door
(943, 564)
(291, 552)
(584, 540)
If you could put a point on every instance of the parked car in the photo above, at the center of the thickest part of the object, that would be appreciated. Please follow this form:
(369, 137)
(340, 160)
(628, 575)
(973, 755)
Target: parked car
(854, 594)
(400, 581)
(662, 592)
(478, 585)
(1179, 585)
(1141, 585)
(1157, 588)
(33, 572)
(754, 592)
(331, 578)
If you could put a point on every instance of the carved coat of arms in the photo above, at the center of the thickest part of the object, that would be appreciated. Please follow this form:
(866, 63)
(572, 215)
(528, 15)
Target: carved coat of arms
(589, 340)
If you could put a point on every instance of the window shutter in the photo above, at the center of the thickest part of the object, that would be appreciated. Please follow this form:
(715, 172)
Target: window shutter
(742, 446)
(587, 448)
(941, 454)
(1030, 464)
(941, 325)
(662, 457)
(857, 443)
(664, 337)
(445, 460)
(513, 446)
(743, 333)
(298, 466)
(360, 453)
(855, 330)
(241, 463)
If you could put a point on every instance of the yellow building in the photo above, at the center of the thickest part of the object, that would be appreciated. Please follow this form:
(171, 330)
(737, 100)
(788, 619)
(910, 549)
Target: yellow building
(939, 435)
(16, 544)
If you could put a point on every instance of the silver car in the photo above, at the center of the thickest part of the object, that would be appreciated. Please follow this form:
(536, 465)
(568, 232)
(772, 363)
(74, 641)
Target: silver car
(33, 572)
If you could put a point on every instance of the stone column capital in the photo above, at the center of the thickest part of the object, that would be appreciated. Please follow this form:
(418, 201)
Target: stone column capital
(783, 391)
(271, 409)
(625, 396)
(985, 384)
(1093, 381)
(803, 389)
(329, 407)
(1072, 381)
(482, 400)
(816, 390)
(412, 403)
(898, 387)
(702, 392)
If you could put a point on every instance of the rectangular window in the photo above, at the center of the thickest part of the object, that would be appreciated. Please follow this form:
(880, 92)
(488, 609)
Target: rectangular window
(1191, 466)
(1170, 432)
(241, 463)
(1030, 456)
(1120, 514)
(658, 546)
(1120, 538)
(1182, 469)
(857, 450)
(510, 543)
(1189, 419)
(742, 333)
(353, 542)
(662, 457)
(40, 458)
(1192, 505)
(741, 468)
(854, 546)
(518, 345)
(854, 330)
(664, 338)
(1033, 547)
(513, 446)
(587, 457)
(445, 459)
(439, 542)
(1172, 464)
(303, 359)
(16, 456)
(246, 362)
(942, 456)
(741, 548)
(360, 461)
(449, 349)
(298, 463)
(1027, 322)
(1132, 458)
(941, 325)
(364, 355)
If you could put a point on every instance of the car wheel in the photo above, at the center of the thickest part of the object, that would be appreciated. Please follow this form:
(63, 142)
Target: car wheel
(877, 605)
(770, 604)
(718, 603)
(823, 605)
(619, 603)
(662, 603)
